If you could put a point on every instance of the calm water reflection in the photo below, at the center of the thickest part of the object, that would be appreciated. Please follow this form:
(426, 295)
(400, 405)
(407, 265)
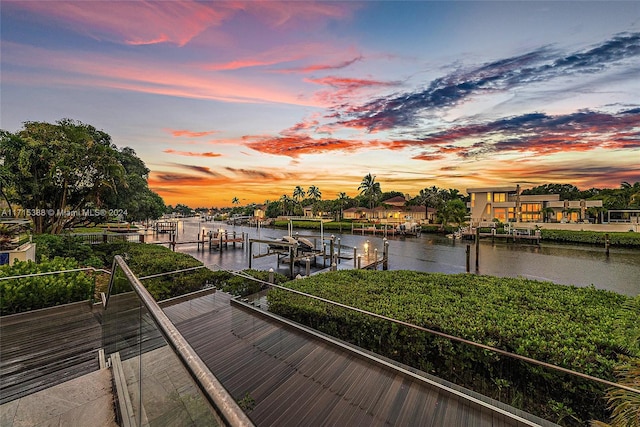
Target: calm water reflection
(578, 265)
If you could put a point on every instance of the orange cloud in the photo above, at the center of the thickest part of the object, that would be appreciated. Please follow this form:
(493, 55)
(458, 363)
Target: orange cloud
(191, 153)
(428, 157)
(294, 146)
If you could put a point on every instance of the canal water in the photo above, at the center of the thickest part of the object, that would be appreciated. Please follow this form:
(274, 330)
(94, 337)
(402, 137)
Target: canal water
(579, 265)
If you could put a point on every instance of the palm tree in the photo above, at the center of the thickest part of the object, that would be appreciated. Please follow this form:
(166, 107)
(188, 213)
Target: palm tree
(315, 194)
(546, 212)
(370, 188)
(285, 200)
(342, 197)
(298, 193)
(235, 201)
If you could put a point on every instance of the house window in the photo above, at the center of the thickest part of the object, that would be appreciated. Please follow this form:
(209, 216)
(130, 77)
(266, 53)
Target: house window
(473, 200)
(488, 197)
(499, 197)
(500, 214)
(531, 207)
(488, 210)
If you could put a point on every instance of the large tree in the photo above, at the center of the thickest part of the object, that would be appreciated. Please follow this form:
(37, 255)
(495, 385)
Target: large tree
(69, 172)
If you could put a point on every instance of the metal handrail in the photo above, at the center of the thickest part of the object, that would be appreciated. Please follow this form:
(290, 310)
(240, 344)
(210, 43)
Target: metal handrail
(226, 407)
(444, 335)
(74, 270)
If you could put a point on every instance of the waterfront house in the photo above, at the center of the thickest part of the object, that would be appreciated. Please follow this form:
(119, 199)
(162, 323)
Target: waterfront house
(259, 213)
(392, 210)
(507, 204)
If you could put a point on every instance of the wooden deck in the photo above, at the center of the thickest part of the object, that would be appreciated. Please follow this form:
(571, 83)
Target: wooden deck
(46, 347)
(292, 378)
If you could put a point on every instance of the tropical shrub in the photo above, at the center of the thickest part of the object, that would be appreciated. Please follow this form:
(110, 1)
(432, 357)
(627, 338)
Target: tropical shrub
(146, 260)
(567, 326)
(49, 246)
(31, 293)
(629, 239)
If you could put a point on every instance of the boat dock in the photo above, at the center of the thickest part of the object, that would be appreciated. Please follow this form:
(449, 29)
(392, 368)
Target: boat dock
(293, 252)
(511, 235)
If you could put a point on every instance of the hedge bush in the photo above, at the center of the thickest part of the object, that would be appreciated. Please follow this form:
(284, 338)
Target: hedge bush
(628, 239)
(18, 295)
(576, 328)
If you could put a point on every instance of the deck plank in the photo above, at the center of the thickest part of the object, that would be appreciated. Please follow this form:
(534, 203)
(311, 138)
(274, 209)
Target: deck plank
(296, 379)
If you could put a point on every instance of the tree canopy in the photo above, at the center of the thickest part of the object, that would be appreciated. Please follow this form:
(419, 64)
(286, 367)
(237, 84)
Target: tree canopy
(69, 173)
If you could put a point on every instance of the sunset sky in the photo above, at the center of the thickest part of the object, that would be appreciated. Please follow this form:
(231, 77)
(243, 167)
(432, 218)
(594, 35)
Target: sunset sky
(249, 99)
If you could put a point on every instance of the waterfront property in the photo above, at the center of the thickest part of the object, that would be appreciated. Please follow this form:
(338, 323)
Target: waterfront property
(507, 204)
(392, 211)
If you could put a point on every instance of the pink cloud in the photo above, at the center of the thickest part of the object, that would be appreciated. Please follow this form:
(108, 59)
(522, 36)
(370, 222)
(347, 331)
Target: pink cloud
(282, 14)
(191, 153)
(65, 68)
(134, 22)
(190, 134)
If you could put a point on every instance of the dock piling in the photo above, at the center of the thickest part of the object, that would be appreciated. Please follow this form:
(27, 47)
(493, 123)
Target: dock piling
(477, 248)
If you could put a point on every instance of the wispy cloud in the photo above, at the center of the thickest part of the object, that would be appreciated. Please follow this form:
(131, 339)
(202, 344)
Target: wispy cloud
(199, 169)
(128, 73)
(540, 133)
(191, 153)
(545, 64)
(323, 67)
(176, 22)
(190, 133)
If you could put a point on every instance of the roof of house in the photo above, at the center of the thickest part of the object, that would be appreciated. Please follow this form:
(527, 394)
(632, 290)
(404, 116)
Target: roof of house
(397, 200)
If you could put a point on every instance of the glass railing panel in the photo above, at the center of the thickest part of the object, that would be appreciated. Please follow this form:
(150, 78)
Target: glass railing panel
(161, 390)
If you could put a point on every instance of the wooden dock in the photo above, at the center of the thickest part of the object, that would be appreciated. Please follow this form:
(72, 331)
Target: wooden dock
(515, 236)
(385, 230)
(215, 241)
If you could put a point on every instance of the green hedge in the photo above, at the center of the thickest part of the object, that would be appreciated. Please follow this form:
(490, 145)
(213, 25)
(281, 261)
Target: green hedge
(572, 327)
(629, 239)
(18, 295)
(147, 260)
(439, 229)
